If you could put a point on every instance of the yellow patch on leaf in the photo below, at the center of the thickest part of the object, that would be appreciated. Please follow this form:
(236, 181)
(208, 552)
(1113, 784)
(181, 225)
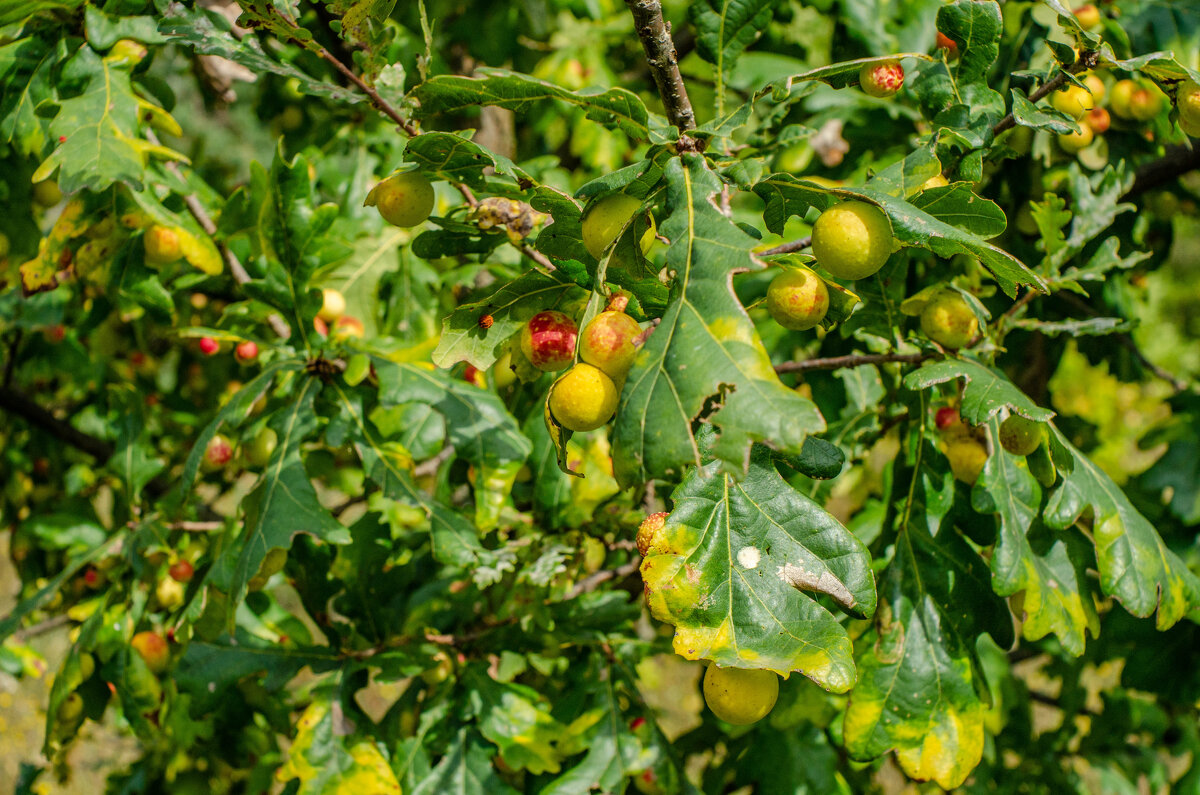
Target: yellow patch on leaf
(949, 751)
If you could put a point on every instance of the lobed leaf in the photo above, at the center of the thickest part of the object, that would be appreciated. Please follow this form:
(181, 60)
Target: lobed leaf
(738, 568)
(731, 384)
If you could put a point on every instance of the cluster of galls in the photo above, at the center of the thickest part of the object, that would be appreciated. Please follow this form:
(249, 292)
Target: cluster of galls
(966, 446)
(586, 396)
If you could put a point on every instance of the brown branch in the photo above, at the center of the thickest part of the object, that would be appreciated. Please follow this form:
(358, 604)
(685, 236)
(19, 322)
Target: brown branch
(1020, 303)
(21, 405)
(788, 248)
(42, 627)
(1178, 161)
(431, 466)
(196, 527)
(664, 66)
(1177, 383)
(1087, 60)
(854, 360)
(594, 581)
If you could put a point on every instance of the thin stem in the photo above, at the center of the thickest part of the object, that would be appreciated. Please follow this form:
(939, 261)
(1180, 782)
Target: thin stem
(853, 360)
(21, 405)
(788, 248)
(1086, 61)
(1178, 161)
(664, 66)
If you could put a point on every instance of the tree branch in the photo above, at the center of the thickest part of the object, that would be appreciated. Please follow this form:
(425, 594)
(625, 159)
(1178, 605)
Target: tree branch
(664, 66)
(788, 248)
(1178, 160)
(21, 405)
(853, 360)
(1087, 60)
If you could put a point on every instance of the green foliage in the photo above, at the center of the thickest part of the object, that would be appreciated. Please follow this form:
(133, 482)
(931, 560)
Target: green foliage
(428, 584)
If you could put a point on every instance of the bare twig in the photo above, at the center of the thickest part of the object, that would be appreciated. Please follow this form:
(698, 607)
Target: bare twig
(854, 360)
(594, 581)
(1178, 161)
(42, 627)
(23, 406)
(1019, 304)
(1087, 60)
(788, 248)
(1177, 383)
(664, 66)
(430, 466)
(196, 527)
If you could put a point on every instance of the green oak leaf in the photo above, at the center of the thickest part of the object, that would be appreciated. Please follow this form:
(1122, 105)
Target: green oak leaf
(1051, 568)
(704, 361)
(515, 91)
(457, 158)
(1136, 567)
(465, 340)
(454, 541)
(920, 687)
(466, 769)
(284, 503)
(975, 28)
(209, 669)
(986, 391)
(517, 720)
(737, 570)
(96, 132)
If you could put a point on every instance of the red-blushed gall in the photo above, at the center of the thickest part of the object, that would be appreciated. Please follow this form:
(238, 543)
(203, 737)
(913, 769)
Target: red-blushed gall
(609, 342)
(347, 326)
(945, 417)
(798, 299)
(162, 245)
(881, 79)
(648, 529)
(1099, 120)
(181, 571)
(548, 340)
(948, 44)
(1088, 16)
(217, 453)
(153, 649)
(246, 351)
(209, 346)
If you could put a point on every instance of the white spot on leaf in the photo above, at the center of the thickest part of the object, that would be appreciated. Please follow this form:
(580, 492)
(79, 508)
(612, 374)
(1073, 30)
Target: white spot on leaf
(748, 557)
